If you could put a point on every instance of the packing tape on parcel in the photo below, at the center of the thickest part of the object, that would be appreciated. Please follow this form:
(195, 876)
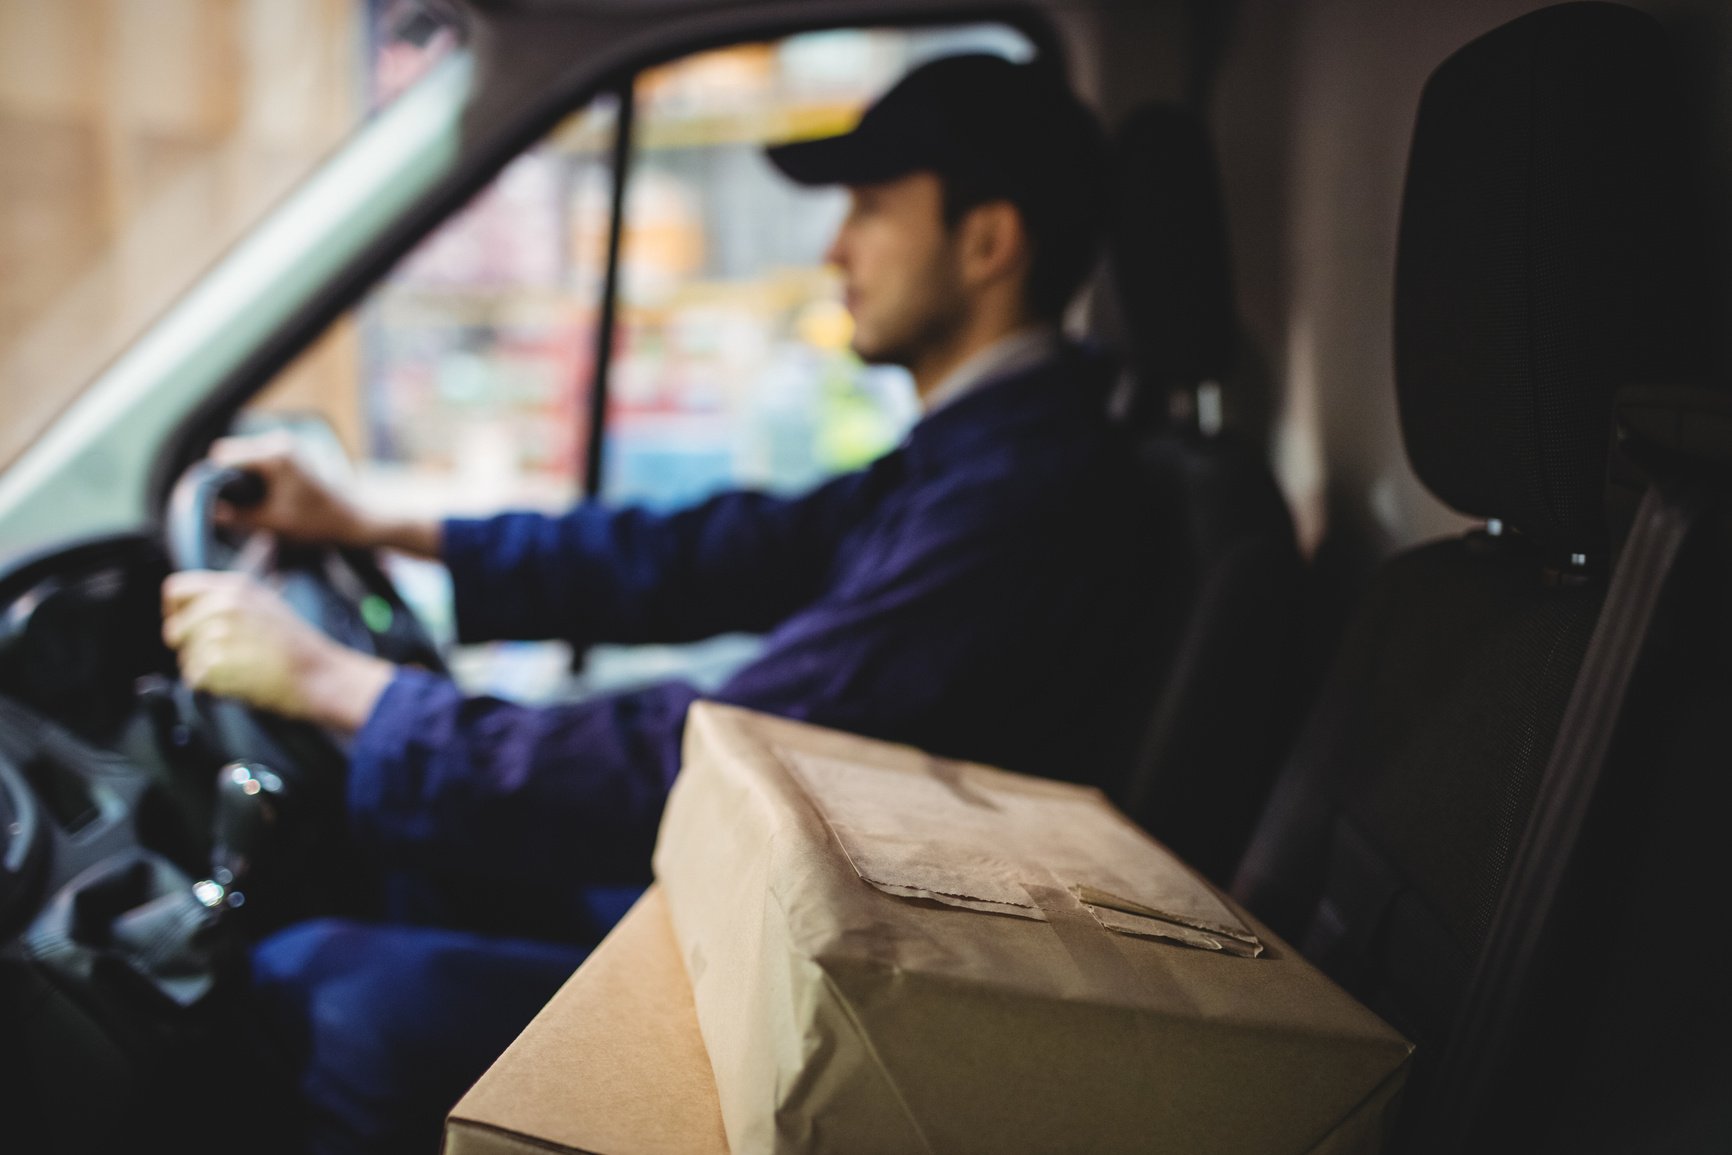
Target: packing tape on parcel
(1091, 946)
(1102, 970)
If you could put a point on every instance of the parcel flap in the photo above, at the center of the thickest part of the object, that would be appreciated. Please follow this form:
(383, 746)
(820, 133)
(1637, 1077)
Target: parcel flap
(973, 837)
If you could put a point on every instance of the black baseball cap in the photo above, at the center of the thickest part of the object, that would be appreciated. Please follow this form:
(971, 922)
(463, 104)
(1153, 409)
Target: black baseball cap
(1005, 129)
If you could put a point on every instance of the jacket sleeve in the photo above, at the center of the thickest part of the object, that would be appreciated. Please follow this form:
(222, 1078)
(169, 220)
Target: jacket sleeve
(739, 561)
(510, 792)
(926, 645)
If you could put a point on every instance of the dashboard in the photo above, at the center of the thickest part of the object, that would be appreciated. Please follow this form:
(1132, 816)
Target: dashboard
(85, 771)
(126, 799)
(105, 753)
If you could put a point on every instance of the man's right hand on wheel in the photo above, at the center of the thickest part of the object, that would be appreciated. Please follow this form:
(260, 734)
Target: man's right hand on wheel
(299, 507)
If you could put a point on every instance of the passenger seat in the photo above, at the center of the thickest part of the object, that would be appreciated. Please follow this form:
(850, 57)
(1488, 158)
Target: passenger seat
(1540, 268)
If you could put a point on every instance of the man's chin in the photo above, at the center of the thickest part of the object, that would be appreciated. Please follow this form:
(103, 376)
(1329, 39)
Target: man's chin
(873, 354)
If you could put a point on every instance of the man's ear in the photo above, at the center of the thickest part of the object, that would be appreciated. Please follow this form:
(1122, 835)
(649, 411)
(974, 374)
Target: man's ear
(994, 243)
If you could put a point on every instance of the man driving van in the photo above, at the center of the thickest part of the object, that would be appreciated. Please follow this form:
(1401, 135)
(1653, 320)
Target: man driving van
(979, 592)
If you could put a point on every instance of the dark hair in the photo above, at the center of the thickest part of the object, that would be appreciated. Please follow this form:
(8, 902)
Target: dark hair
(1053, 167)
(1065, 239)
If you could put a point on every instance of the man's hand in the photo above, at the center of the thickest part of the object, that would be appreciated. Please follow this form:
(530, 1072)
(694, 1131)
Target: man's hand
(238, 639)
(299, 507)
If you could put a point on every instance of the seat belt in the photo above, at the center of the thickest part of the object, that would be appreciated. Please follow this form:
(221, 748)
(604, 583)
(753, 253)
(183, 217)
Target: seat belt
(1684, 426)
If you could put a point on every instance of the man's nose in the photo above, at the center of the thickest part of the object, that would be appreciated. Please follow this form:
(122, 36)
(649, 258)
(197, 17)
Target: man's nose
(837, 253)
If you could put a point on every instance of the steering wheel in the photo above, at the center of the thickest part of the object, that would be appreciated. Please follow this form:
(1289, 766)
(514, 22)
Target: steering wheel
(343, 592)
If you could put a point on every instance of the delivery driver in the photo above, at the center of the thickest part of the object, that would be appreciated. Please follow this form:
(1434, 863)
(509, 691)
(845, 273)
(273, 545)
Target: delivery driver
(978, 592)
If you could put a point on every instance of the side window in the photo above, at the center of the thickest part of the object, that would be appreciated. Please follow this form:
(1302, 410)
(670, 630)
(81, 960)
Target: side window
(462, 384)
(465, 381)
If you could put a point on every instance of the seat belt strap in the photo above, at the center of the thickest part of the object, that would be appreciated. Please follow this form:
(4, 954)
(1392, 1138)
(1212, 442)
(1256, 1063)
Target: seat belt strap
(1504, 970)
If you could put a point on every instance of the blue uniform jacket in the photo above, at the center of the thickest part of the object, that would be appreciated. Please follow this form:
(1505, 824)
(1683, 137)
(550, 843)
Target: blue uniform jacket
(987, 591)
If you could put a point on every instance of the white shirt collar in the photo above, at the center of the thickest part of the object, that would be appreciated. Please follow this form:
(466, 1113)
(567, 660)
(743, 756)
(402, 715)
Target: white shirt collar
(1020, 350)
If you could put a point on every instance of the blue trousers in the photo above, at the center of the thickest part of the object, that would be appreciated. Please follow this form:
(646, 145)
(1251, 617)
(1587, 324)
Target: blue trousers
(383, 1025)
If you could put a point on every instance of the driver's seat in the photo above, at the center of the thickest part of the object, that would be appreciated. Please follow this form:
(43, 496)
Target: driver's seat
(1223, 700)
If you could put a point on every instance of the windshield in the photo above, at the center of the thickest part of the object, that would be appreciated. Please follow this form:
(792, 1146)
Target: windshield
(139, 141)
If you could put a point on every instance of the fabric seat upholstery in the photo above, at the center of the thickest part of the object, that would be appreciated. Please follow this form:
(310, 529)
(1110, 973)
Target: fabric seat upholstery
(1538, 270)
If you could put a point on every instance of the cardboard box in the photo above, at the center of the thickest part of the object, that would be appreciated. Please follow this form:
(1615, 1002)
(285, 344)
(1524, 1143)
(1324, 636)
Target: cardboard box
(613, 1065)
(894, 953)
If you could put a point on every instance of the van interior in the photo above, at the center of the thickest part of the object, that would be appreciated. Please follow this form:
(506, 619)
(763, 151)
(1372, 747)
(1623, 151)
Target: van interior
(1415, 307)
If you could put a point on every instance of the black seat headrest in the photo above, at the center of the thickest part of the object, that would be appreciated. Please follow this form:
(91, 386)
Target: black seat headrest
(1540, 262)
(1168, 251)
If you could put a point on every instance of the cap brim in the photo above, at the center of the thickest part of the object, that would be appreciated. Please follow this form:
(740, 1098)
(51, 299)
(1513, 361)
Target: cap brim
(853, 158)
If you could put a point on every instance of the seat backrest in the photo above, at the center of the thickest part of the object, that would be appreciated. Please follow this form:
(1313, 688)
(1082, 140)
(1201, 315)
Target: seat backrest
(1169, 261)
(1538, 270)
(1221, 699)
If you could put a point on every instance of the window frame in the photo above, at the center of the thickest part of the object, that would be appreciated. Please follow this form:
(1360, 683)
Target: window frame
(607, 314)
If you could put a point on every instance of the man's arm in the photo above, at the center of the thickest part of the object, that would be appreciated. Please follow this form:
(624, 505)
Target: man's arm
(738, 561)
(500, 790)
(516, 793)
(300, 507)
(981, 631)
(968, 642)
(575, 791)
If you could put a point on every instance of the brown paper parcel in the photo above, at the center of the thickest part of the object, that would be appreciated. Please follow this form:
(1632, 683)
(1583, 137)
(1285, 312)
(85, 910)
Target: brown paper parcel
(895, 953)
(613, 1065)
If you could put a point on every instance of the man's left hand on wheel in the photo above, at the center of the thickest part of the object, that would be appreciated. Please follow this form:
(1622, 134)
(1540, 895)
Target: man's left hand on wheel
(235, 637)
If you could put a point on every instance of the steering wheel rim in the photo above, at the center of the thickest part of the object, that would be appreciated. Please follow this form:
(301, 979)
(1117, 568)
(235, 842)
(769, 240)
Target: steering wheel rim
(190, 527)
(378, 619)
